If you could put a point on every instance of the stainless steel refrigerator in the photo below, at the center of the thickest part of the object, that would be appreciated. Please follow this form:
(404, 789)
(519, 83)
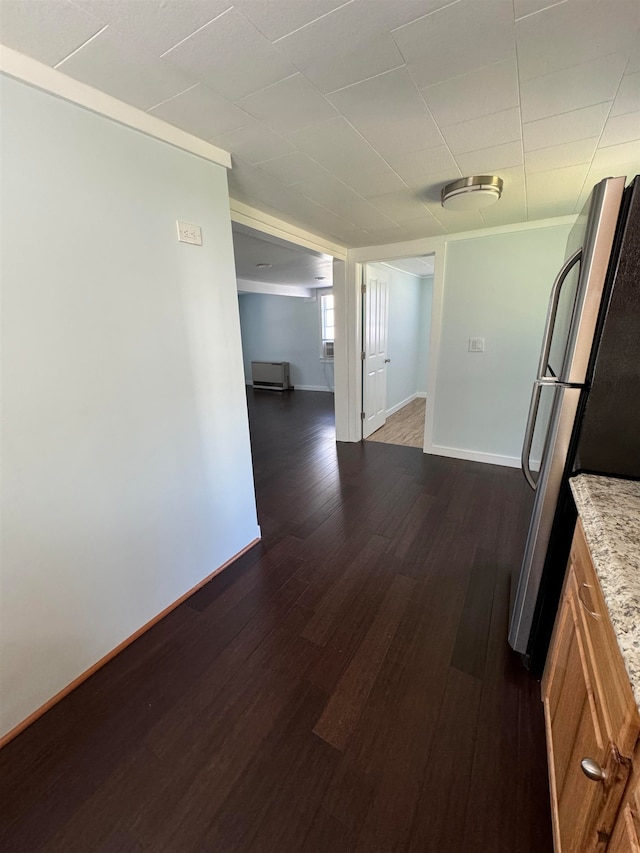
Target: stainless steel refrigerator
(585, 405)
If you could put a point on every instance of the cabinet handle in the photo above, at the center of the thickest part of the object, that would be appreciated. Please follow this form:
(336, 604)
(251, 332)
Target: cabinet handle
(580, 599)
(592, 770)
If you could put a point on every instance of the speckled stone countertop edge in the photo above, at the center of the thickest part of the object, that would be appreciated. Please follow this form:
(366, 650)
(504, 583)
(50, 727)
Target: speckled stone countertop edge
(609, 509)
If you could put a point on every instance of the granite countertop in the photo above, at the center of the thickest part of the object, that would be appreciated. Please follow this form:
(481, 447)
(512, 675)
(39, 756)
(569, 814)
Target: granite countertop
(610, 512)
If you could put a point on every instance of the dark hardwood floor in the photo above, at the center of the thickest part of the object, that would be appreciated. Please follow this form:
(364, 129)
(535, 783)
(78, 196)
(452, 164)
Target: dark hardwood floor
(345, 687)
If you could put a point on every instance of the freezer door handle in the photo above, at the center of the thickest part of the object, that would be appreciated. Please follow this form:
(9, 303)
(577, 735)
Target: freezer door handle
(552, 311)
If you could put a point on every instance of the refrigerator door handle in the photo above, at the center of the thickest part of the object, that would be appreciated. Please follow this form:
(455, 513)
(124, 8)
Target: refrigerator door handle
(552, 310)
(538, 385)
(528, 434)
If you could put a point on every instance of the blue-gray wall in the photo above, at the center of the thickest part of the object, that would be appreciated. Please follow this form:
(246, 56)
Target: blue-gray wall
(127, 473)
(496, 287)
(285, 328)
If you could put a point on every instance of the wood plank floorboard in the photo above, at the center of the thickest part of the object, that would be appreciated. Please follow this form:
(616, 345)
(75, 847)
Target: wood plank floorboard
(405, 427)
(344, 687)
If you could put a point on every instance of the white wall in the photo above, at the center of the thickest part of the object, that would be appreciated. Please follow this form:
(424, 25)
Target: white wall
(496, 287)
(405, 335)
(285, 328)
(126, 459)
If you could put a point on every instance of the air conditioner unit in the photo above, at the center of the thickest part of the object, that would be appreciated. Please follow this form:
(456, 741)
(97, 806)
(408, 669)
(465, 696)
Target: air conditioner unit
(327, 349)
(272, 375)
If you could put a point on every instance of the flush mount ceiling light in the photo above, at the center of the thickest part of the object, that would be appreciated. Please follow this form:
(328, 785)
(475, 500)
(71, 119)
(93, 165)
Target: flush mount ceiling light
(472, 193)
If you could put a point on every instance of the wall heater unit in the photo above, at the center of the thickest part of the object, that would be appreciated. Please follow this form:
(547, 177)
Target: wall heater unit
(273, 375)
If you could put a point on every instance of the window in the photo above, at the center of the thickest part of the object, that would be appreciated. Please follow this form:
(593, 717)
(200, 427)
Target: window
(328, 325)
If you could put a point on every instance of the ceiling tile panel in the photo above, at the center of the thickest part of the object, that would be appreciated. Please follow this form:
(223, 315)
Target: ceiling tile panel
(119, 67)
(522, 8)
(628, 95)
(278, 18)
(554, 193)
(622, 128)
(345, 47)
(574, 32)
(497, 215)
(417, 168)
(566, 127)
(343, 201)
(560, 156)
(611, 158)
(615, 160)
(484, 132)
(489, 161)
(231, 57)
(489, 90)
(415, 229)
(400, 12)
(157, 26)
(457, 220)
(457, 39)
(252, 183)
(573, 88)
(406, 124)
(340, 149)
(254, 143)
(512, 206)
(634, 56)
(313, 97)
(401, 206)
(294, 168)
(47, 31)
(201, 112)
(289, 105)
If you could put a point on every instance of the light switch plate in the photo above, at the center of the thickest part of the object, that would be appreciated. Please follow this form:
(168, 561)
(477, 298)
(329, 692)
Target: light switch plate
(476, 344)
(188, 233)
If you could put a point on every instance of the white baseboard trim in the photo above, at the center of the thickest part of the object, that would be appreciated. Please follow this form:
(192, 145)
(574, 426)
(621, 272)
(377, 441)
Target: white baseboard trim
(421, 395)
(404, 403)
(473, 456)
(313, 388)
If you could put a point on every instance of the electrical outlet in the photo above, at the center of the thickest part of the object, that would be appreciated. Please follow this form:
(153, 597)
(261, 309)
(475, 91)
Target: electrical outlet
(476, 344)
(188, 233)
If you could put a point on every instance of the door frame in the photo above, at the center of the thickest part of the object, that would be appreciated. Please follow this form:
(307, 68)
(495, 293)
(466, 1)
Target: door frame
(271, 227)
(356, 262)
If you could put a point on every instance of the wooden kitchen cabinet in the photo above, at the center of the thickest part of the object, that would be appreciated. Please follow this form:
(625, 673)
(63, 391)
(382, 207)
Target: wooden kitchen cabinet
(591, 718)
(626, 832)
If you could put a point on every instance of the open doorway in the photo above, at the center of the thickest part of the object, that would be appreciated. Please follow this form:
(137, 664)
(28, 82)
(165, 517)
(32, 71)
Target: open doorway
(397, 304)
(285, 298)
(285, 306)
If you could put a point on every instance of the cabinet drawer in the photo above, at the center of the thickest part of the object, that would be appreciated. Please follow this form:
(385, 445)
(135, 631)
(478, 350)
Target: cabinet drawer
(612, 691)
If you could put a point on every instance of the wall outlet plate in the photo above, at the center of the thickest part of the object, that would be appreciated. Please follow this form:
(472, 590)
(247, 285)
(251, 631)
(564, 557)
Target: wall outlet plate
(476, 344)
(188, 233)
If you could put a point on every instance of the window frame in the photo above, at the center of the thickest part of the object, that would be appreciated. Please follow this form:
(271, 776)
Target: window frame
(322, 296)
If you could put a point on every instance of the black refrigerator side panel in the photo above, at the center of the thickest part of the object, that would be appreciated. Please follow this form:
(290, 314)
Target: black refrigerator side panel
(552, 580)
(609, 439)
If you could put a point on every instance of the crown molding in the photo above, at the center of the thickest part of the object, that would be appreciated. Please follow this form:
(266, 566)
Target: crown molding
(41, 76)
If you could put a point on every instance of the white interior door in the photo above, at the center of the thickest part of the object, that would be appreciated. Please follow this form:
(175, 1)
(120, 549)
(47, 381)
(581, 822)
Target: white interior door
(374, 338)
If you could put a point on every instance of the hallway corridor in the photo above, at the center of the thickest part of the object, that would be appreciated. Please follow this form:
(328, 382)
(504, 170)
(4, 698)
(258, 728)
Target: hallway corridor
(344, 687)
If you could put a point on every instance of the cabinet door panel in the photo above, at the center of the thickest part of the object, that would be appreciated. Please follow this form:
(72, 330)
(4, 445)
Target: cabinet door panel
(625, 835)
(584, 810)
